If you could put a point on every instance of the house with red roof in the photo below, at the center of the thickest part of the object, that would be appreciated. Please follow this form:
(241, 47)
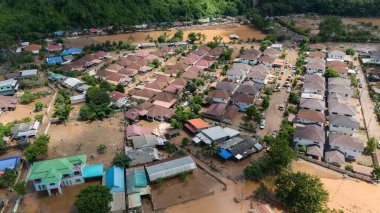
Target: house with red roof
(135, 130)
(34, 48)
(54, 47)
(196, 125)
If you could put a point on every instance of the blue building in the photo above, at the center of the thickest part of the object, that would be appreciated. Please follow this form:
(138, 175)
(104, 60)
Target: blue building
(8, 163)
(115, 181)
(58, 33)
(54, 60)
(71, 51)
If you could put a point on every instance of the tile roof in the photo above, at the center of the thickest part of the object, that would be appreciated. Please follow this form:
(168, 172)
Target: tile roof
(216, 109)
(310, 132)
(198, 123)
(33, 47)
(219, 94)
(345, 141)
(334, 156)
(243, 98)
(227, 86)
(344, 121)
(311, 115)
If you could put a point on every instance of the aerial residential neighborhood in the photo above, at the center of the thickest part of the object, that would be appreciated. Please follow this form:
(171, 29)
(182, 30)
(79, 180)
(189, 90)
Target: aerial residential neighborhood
(213, 106)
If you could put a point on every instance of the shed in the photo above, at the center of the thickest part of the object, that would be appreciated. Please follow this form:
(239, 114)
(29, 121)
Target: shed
(115, 179)
(225, 154)
(71, 51)
(92, 171)
(170, 168)
(9, 163)
(54, 60)
(78, 99)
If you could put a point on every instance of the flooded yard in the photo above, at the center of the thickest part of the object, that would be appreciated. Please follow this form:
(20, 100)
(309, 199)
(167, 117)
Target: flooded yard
(374, 21)
(65, 139)
(223, 30)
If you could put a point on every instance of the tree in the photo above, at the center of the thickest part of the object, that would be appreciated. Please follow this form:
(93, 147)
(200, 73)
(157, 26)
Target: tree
(94, 198)
(121, 160)
(268, 91)
(226, 55)
(255, 171)
(8, 178)
(38, 106)
(252, 112)
(293, 98)
(185, 141)
(329, 73)
(39, 117)
(20, 188)
(261, 193)
(192, 37)
(101, 148)
(301, 192)
(27, 97)
(376, 172)
(120, 88)
(148, 38)
(371, 146)
(265, 103)
(62, 112)
(37, 148)
(331, 26)
(178, 36)
(97, 106)
(350, 51)
(161, 38)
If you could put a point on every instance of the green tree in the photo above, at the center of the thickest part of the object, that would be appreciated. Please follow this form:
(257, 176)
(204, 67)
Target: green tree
(20, 188)
(38, 148)
(261, 193)
(226, 55)
(39, 117)
(371, 146)
(376, 172)
(27, 97)
(350, 51)
(8, 178)
(62, 112)
(293, 98)
(94, 198)
(178, 36)
(301, 192)
(121, 159)
(255, 171)
(101, 148)
(329, 73)
(252, 112)
(185, 141)
(192, 37)
(265, 103)
(120, 88)
(38, 106)
(331, 26)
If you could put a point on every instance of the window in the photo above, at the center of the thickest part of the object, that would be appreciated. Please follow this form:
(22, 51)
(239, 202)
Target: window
(66, 175)
(77, 173)
(52, 184)
(78, 180)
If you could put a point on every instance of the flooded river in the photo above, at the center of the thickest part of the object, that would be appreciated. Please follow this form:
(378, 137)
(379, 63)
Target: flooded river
(223, 30)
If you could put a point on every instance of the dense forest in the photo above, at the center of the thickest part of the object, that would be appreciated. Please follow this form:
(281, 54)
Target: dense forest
(327, 7)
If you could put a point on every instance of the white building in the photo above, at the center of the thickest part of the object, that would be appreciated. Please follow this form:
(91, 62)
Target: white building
(343, 124)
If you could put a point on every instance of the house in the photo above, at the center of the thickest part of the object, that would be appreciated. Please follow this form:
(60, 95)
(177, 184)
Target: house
(239, 148)
(248, 90)
(196, 125)
(78, 99)
(145, 140)
(350, 146)
(114, 68)
(219, 96)
(51, 175)
(229, 114)
(335, 157)
(116, 79)
(316, 54)
(169, 168)
(315, 66)
(34, 48)
(343, 124)
(156, 85)
(7, 103)
(248, 58)
(312, 104)
(339, 81)
(227, 86)
(54, 60)
(118, 99)
(311, 117)
(215, 134)
(236, 74)
(132, 131)
(137, 186)
(271, 52)
(335, 55)
(72, 82)
(375, 57)
(344, 91)
(8, 87)
(177, 24)
(140, 110)
(142, 156)
(277, 47)
(25, 130)
(58, 33)
(8, 163)
(83, 88)
(266, 60)
(128, 72)
(159, 113)
(164, 99)
(144, 94)
(243, 101)
(259, 75)
(54, 47)
(71, 51)
(341, 70)
(314, 87)
(215, 111)
(315, 151)
(339, 108)
(318, 47)
(115, 181)
(309, 135)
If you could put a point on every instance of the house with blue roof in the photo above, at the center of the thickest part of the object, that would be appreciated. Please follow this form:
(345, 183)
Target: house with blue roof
(115, 181)
(71, 51)
(137, 186)
(54, 60)
(58, 33)
(8, 163)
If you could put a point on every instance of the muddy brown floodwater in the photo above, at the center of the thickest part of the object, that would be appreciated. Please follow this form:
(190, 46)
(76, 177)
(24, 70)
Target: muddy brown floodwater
(223, 30)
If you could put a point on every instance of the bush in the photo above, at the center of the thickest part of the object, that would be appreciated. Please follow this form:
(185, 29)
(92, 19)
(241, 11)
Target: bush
(121, 159)
(8, 178)
(95, 198)
(38, 106)
(185, 141)
(294, 99)
(38, 148)
(27, 97)
(100, 149)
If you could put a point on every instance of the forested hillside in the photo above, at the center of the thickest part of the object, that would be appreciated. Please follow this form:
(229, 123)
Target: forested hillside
(328, 7)
(21, 18)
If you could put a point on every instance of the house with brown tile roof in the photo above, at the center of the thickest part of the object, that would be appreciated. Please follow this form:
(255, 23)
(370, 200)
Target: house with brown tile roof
(266, 60)
(309, 135)
(216, 110)
(165, 79)
(203, 63)
(229, 114)
(219, 96)
(34, 48)
(335, 157)
(243, 101)
(343, 124)
(227, 86)
(315, 151)
(128, 72)
(248, 58)
(103, 74)
(144, 94)
(248, 90)
(114, 68)
(118, 79)
(311, 117)
(180, 82)
(273, 53)
(159, 113)
(318, 47)
(350, 146)
(196, 125)
(156, 85)
(7, 103)
(200, 52)
(174, 89)
(216, 52)
(195, 69)
(340, 108)
(164, 99)
(316, 54)
(256, 52)
(125, 62)
(141, 53)
(190, 75)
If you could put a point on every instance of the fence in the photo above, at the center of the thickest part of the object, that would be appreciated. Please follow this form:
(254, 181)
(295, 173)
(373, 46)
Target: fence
(362, 177)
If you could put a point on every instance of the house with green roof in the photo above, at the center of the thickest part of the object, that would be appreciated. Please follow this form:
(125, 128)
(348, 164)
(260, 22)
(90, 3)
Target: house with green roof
(51, 175)
(137, 186)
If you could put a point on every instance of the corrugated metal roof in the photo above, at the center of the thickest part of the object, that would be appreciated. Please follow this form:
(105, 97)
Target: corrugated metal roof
(8, 163)
(91, 171)
(170, 168)
(115, 179)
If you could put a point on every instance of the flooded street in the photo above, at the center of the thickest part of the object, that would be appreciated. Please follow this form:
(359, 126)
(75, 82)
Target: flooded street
(223, 30)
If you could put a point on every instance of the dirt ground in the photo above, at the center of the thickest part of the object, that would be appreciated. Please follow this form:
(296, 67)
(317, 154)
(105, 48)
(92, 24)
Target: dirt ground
(374, 21)
(79, 42)
(40, 202)
(26, 110)
(347, 194)
(196, 184)
(64, 139)
(223, 30)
